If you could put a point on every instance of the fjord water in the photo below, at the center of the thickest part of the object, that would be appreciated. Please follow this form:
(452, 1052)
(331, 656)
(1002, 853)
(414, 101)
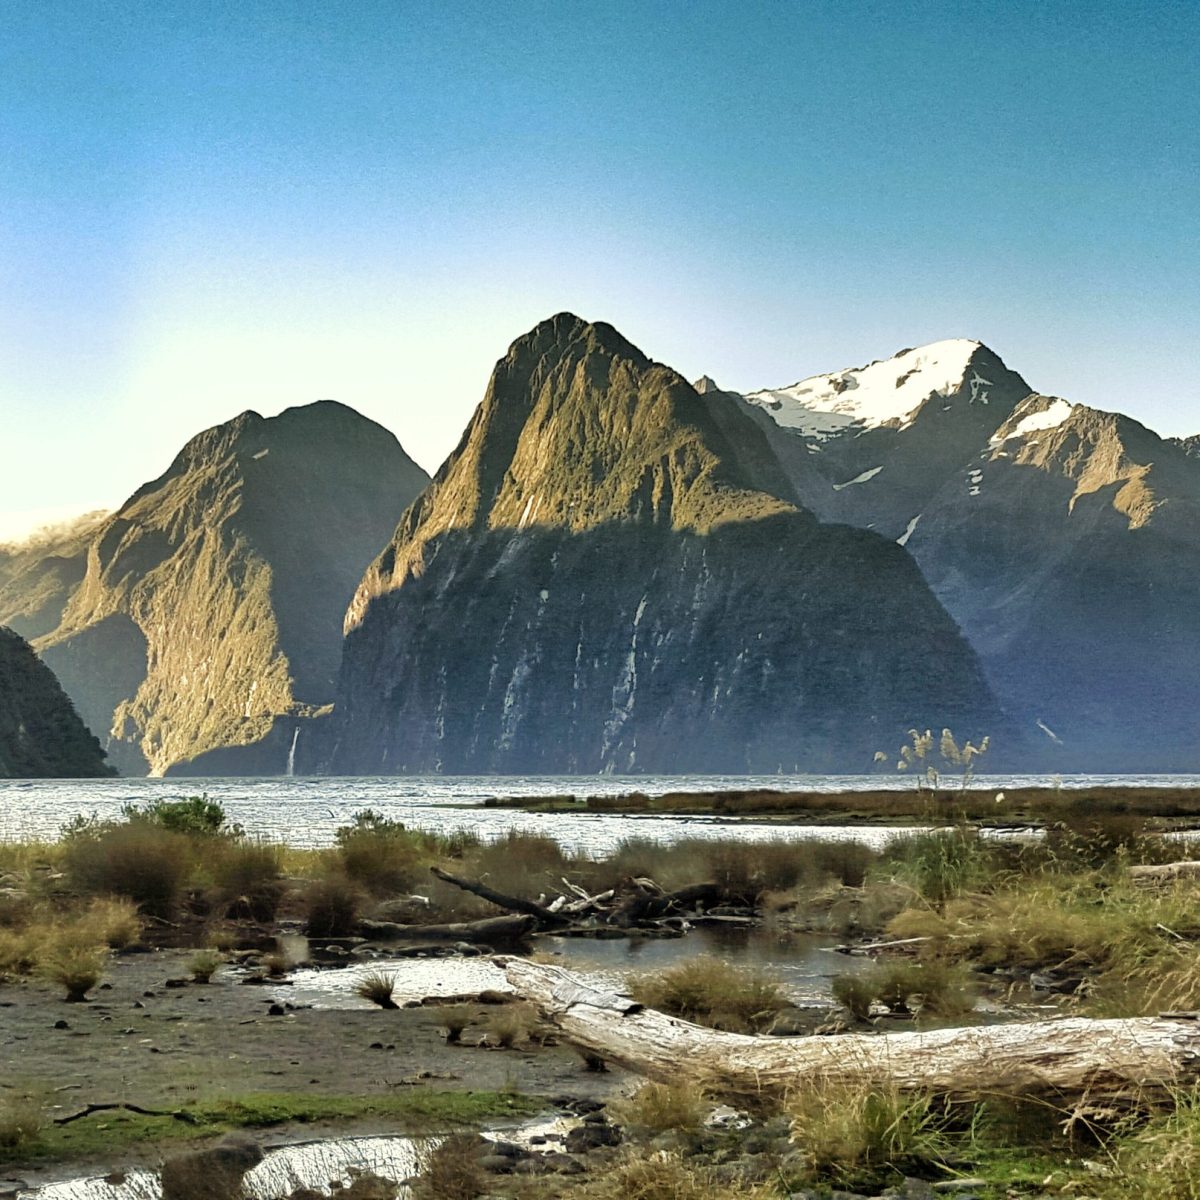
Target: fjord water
(307, 812)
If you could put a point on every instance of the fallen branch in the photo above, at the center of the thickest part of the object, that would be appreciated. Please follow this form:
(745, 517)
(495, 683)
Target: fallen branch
(1071, 1059)
(176, 1114)
(545, 918)
(491, 930)
(1154, 875)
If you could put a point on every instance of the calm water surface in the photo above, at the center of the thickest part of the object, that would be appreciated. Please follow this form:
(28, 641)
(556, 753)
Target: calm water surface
(306, 812)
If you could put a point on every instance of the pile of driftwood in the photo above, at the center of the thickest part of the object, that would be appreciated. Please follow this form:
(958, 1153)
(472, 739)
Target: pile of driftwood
(638, 904)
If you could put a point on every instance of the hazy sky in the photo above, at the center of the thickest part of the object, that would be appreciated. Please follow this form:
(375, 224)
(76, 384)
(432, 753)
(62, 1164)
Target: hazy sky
(207, 207)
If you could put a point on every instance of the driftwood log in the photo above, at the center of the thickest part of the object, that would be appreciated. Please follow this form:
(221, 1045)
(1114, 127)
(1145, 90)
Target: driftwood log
(1073, 1060)
(544, 917)
(490, 931)
(1162, 875)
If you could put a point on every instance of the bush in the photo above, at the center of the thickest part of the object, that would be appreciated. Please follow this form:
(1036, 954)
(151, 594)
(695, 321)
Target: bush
(381, 854)
(139, 859)
(451, 1169)
(246, 875)
(197, 816)
(332, 906)
(712, 992)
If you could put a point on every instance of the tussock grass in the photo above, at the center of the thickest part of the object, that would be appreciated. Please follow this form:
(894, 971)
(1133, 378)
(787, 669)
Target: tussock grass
(663, 1107)
(139, 859)
(378, 987)
(450, 1169)
(204, 965)
(22, 1120)
(75, 968)
(510, 1025)
(859, 1134)
(712, 992)
(925, 986)
(666, 1176)
(455, 1018)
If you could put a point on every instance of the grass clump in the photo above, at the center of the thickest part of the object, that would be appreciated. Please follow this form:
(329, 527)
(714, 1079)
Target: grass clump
(75, 968)
(510, 1025)
(246, 875)
(712, 992)
(22, 1120)
(138, 859)
(663, 1107)
(203, 965)
(378, 987)
(923, 986)
(451, 1170)
(455, 1018)
(667, 1176)
(859, 1135)
(942, 864)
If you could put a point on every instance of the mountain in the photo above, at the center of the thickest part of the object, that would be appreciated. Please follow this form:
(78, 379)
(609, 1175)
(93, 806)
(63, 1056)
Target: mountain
(1063, 540)
(1190, 445)
(612, 573)
(41, 735)
(207, 623)
(40, 574)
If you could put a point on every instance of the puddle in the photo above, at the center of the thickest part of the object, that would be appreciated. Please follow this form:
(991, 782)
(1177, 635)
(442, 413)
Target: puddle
(324, 1166)
(802, 964)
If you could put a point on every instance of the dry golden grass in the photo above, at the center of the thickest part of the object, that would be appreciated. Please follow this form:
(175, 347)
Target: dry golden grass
(661, 1107)
(712, 992)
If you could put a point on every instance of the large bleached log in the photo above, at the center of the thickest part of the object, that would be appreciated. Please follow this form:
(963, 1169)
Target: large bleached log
(1161, 875)
(1072, 1059)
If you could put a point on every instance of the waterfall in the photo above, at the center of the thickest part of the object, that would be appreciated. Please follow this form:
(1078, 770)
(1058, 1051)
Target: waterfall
(291, 767)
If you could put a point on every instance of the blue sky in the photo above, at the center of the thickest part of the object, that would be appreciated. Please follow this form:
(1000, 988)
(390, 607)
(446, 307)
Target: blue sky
(207, 207)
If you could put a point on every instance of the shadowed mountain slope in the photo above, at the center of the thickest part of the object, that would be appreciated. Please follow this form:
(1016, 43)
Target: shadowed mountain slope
(41, 735)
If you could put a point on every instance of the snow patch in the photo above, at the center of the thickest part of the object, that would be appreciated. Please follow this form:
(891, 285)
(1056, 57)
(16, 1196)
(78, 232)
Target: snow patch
(1049, 418)
(902, 540)
(891, 390)
(837, 487)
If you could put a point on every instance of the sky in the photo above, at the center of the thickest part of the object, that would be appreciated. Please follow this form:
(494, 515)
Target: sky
(207, 207)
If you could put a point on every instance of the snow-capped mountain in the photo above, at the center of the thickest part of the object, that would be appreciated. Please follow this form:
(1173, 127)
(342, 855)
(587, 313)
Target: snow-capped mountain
(887, 392)
(1064, 540)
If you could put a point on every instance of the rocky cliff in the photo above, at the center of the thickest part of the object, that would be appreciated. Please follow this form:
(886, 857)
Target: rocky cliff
(206, 626)
(612, 573)
(41, 735)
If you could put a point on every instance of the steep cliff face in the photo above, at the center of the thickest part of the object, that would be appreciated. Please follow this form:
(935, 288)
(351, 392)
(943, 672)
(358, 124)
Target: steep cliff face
(41, 735)
(209, 614)
(1069, 550)
(612, 572)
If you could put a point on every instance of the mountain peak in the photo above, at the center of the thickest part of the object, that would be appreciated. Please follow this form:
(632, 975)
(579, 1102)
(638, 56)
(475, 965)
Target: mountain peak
(885, 392)
(706, 384)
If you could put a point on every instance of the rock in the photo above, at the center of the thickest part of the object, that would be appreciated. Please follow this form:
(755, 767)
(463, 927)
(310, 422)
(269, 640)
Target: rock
(959, 1185)
(61, 1024)
(276, 1010)
(212, 1174)
(589, 1136)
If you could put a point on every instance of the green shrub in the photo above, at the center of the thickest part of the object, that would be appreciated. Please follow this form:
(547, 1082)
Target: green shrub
(942, 864)
(203, 965)
(195, 816)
